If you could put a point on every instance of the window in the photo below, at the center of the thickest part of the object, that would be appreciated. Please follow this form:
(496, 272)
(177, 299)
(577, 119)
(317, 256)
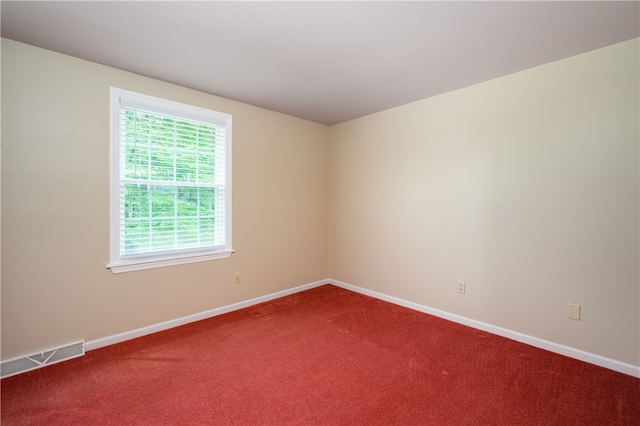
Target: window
(170, 183)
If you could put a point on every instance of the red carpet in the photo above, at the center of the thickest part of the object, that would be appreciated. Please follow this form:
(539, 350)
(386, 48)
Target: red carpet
(323, 356)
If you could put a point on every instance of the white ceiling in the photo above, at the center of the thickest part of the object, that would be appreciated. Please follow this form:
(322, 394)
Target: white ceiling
(327, 62)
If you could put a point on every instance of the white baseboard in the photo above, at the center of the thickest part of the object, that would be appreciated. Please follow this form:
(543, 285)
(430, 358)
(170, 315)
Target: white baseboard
(629, 369)
(612, 364)
(121, 337)
(601, 361)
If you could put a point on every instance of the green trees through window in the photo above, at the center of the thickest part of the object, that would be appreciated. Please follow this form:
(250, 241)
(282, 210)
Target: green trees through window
(168, 179)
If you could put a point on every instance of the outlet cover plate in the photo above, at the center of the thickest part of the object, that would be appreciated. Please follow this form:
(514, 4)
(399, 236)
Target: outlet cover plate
(573, 311)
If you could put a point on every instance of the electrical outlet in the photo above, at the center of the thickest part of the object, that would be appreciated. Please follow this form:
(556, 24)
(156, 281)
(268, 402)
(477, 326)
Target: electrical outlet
(236, 278)
(461, 287)
(573, 311)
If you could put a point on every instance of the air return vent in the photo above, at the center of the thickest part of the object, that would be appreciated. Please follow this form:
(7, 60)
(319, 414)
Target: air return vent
(35, 360)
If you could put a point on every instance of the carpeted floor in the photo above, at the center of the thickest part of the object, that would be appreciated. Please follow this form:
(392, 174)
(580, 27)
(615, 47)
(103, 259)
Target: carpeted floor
(319, 357)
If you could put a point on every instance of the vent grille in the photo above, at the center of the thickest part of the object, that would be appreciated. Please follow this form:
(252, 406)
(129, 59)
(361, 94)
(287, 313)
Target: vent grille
(35, 360)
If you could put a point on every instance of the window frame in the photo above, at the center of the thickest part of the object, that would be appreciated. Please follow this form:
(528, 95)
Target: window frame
(159, 259)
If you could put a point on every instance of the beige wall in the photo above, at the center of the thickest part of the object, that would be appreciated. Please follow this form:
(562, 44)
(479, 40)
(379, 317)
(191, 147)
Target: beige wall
(55, 204)
(526, 187)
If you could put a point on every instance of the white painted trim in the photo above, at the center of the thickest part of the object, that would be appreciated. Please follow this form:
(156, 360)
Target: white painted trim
(611, 364)
(621, 367)
(140, 265)
(128, 335)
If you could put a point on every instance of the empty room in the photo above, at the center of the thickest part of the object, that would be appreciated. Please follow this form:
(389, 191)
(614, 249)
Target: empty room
(320, 213)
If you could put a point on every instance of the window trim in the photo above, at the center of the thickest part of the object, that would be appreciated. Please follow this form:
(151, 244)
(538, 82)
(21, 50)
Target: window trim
(175, 257)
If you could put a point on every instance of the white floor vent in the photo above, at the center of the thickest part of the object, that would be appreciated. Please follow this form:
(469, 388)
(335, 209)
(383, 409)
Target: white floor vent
(35, 360)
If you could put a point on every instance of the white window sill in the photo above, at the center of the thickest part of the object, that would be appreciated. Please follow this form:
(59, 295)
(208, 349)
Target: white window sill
(139, 264)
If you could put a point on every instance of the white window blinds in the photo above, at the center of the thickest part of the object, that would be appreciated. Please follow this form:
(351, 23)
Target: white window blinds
(173, 189)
